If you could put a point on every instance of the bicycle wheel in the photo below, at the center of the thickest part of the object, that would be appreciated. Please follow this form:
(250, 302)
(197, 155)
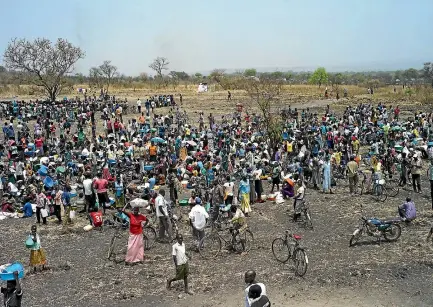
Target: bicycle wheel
(280, 250)
(210, 246)
(380, 193)
(393, 188)
(247, 238)
(300, 261)
(362, 187)
(308, 221)
(149, 237)
(111, 247)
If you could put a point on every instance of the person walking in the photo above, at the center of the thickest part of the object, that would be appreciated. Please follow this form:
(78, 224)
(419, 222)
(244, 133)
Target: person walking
(180, 259)
(162, 215)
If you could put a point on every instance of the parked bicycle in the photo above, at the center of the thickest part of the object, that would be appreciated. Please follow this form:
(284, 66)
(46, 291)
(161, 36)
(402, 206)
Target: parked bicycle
(240, 241)
(288, 247)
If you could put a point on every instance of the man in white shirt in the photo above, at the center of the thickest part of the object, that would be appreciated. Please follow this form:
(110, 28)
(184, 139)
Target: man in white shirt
(88, 193)
(198, 218)
(139, 106)
(162, 215)
(180, 260)
(250, 279)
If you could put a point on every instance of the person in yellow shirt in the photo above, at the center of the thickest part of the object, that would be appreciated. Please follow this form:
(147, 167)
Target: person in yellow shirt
(355, 145)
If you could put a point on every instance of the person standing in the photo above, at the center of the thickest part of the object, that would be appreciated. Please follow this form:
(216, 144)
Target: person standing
(327, 176)
(198, 218)
(135, 252)
(162, 214)
(12, 294)
(100, 184)
(41, 201)
(180, 260)
(37, 253)
(243, 193)
(352, 172)
(139, 105)
(416, 168)
(88, 192)
(257, 174)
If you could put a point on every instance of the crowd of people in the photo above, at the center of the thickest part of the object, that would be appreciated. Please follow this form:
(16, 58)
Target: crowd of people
(56, 159)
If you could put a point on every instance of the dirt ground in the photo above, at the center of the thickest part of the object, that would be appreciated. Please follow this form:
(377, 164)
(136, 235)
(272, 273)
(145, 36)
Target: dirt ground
(389, 274)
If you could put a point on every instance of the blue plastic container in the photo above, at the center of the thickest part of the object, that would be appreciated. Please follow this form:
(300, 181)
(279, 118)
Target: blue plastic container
(148, 167)
(43, 170)
(8, 272)
(48, 182)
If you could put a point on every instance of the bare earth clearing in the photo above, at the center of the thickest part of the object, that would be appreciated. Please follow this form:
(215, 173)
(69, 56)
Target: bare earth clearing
(390, 274)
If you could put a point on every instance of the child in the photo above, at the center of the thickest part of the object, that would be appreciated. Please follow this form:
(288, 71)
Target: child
(37, 253)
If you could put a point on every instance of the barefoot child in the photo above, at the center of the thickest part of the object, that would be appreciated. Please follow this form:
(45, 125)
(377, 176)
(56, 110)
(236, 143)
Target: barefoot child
(37, 253)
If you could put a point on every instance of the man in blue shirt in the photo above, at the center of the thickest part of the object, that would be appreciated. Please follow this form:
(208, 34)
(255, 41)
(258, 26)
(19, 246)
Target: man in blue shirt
(152, 182)
(407, 210)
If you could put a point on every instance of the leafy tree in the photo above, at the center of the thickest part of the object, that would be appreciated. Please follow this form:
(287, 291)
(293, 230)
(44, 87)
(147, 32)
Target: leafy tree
(2, 69)
(277, 75)
(143, 77)
(42, 63)
(410, 74)
(180, 75)
(428, 72)
(319, 77)
(198, 77)
(251, 72)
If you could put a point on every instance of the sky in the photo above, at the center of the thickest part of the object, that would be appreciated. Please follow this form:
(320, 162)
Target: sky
(201, 35)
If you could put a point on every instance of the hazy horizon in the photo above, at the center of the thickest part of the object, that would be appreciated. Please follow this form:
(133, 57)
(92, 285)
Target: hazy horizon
(197, 36)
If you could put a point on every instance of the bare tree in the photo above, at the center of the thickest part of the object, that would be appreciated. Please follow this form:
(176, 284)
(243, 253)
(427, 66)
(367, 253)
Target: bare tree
(265, 96)
(103, 75)
(159, 65)
(42, 64)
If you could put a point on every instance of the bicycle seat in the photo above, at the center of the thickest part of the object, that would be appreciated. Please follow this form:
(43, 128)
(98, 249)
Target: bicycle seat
(297, 237)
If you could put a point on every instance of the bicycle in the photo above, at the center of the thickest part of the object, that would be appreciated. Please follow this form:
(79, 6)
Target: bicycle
(120, 237)
(303, 208)
(288, 247)
(211, 244)
(379, 192)
(392, 185)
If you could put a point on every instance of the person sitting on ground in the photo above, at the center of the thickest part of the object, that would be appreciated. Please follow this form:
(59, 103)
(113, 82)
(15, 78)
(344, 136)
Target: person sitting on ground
(407, 210)
(28, 210)
(250, 280)
(256, 298)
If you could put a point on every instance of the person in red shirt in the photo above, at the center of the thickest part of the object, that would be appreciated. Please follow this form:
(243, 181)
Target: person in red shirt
(39, 143)
(100, 186)
(135, 252)
(95, 217)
